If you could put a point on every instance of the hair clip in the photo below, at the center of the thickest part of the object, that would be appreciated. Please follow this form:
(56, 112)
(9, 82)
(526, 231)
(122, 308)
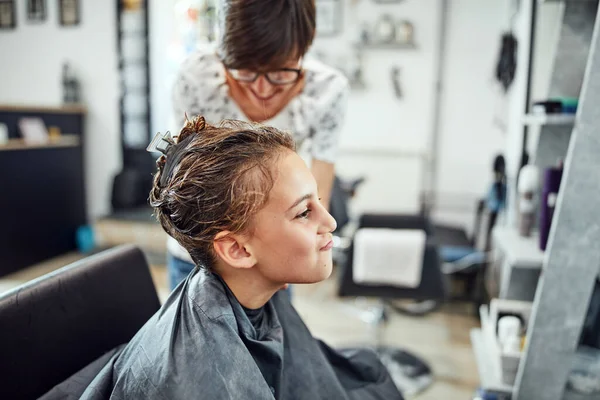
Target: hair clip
(162, 142)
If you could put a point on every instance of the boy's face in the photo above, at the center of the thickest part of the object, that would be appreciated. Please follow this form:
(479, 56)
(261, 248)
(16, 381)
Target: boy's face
(291, 236)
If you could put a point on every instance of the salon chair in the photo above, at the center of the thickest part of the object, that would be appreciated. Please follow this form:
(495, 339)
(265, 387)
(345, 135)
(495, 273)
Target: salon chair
(464, 257)
(433, 288)
(54, 326)
(432, 285)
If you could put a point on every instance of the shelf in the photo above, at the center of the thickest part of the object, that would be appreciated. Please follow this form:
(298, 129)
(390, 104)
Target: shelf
(549, 119)
(65, 109)
(564, 1)
(62, 141)
(376, 150)
(520, 252)
(489, 378)
(385, 46)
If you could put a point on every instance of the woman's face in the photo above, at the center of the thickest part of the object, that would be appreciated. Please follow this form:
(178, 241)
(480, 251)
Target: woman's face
(291, 237)
(263, 95)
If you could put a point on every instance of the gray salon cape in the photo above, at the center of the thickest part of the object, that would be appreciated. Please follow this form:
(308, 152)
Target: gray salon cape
(202, 345)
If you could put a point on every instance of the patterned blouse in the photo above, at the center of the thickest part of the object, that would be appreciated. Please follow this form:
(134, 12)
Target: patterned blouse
(316, 114)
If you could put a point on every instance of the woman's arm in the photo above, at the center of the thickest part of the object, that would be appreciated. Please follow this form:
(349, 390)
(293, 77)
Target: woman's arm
(323, 172)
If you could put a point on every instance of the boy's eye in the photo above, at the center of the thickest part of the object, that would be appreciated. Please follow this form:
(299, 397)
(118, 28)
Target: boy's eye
(305, 214)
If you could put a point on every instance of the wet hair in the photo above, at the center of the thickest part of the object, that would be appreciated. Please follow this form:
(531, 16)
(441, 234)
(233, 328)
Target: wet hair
(215, 178)
(264, 34)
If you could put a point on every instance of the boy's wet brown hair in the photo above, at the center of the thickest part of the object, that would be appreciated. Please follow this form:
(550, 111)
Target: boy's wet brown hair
(222, 176)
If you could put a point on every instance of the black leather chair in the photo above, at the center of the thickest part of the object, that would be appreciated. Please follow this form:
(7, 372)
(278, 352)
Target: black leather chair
(55, 325)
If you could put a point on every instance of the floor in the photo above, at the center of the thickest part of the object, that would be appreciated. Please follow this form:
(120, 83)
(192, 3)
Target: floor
(441, 338)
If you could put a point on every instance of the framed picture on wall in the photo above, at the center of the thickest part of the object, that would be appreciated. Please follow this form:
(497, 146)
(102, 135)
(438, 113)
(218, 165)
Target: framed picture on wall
(69, 12)
(8, 18)
(329, 17)
(36, 10)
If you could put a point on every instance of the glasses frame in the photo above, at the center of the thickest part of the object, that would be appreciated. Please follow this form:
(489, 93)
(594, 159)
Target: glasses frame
(298, 72)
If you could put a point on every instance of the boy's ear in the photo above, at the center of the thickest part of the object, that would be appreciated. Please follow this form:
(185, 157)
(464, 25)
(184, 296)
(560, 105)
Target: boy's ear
(232, 250)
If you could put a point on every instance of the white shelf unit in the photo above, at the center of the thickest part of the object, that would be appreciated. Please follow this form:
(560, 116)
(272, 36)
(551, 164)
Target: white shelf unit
(549, 119)
(488, 354)
(488, 375)
(518, 262)
(519, 251)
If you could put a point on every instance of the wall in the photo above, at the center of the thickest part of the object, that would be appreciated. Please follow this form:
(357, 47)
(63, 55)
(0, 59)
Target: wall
(389, 139)
(385, 138)
(161, 27)
(472, 102)
(31, 69)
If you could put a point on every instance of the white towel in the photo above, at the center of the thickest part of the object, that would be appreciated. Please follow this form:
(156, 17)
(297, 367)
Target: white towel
(388, 256)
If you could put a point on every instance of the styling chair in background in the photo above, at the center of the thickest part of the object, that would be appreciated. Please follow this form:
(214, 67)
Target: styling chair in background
(71, 320)
(466, 257)
(410, 373)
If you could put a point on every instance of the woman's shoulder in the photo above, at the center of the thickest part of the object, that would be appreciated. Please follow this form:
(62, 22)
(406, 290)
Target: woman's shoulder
(203, 63)
(323, 80)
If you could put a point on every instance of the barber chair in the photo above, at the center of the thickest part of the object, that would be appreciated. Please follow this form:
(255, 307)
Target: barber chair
(410, 374)
(56, 325)
(463, 259)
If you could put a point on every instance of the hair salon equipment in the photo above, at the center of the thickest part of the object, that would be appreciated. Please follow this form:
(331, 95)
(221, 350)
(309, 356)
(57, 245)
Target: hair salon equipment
(497, 194)
(396, 82)
(385, 29)
(546, 107)
(496, 197)
(507, 61)
(70, 85)
(3, 133)
(467, 258)
(365, 35)
(388, 32)
(509, 333)
(405, 32)
(565, 105)
(482, 394)
(528, 188)
(552, 178)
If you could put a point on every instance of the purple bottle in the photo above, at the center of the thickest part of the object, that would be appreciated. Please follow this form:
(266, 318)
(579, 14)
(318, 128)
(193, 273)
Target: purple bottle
(552, 178)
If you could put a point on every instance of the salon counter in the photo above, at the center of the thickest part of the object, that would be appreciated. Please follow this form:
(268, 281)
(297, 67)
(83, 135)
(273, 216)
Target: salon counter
(43, 190)
(62, 141)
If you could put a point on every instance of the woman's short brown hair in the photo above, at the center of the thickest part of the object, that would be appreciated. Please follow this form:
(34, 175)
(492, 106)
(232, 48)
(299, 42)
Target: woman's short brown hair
(265, 34)
(221, 178)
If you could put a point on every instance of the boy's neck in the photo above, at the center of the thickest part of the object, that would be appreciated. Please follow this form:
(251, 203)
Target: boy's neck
(251, 290)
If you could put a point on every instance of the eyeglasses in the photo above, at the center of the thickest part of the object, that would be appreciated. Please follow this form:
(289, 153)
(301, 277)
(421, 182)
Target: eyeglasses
(283, 76)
